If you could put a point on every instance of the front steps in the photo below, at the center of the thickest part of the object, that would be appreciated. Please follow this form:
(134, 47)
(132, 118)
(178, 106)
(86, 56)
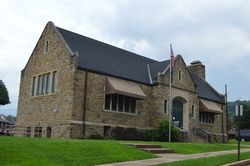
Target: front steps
(152, 148)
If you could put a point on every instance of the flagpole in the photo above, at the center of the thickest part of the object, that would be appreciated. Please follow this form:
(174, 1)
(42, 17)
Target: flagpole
(170, 97)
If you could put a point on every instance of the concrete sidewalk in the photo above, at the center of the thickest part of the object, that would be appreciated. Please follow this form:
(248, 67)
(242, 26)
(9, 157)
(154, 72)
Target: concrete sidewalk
(166, 158)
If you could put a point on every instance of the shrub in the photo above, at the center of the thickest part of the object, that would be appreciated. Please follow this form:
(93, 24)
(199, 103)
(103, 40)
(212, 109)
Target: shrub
(95, 136)
(151, 135)
(127, 134)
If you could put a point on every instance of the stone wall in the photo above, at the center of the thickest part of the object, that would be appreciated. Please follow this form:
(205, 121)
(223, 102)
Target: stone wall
(55, 109)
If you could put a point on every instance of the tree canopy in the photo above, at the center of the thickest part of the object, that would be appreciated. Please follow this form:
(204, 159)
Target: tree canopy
(4, 95)
(244, 120)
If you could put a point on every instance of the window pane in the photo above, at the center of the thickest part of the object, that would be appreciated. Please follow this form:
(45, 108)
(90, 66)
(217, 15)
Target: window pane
(53, 84)
(133, 105)
(39, 85)
(120, 105)
(126, 104)
(107, 102)
(192, 113)
(165, 109)
(180, 75)
(47, 82)
(44, 83)
(114, 102)
(34, 86)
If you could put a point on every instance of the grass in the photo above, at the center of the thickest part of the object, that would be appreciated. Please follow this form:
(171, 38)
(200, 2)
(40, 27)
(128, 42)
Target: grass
(209, 161)
(31, 151)
(192, 148)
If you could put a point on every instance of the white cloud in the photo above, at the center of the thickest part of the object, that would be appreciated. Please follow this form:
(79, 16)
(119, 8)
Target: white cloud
(214, 31)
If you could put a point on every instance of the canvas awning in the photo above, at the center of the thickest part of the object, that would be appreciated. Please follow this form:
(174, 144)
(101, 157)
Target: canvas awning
(123, 87)
(210, 106)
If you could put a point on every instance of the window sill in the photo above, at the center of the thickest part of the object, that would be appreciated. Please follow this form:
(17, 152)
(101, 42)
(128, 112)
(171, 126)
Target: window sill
(126, 113)
(48, 94)
(203, 123)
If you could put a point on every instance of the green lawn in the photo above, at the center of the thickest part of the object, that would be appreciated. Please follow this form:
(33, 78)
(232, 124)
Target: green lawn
(31, 151)
(191, 148)
(209, 161)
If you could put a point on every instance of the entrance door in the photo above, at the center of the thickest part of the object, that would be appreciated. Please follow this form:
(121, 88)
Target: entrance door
(178, 113)
(48, 132)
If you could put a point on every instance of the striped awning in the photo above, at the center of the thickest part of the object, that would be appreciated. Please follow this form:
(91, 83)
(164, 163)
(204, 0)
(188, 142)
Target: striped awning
(123, 87)
(210, 106)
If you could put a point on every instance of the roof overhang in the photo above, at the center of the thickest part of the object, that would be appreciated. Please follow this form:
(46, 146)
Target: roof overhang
(123, 87)
(210, 106)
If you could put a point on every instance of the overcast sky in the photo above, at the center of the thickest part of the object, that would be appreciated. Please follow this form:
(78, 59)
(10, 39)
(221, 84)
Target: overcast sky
(215, 32)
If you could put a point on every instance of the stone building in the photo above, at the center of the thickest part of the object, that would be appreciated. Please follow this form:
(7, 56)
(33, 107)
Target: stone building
(74, 86)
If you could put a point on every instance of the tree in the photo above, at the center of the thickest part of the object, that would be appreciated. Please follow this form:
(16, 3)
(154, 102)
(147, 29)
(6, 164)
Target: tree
(4, 95)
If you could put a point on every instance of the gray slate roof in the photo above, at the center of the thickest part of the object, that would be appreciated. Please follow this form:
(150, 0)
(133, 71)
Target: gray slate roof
(105, 59)
(206, 91)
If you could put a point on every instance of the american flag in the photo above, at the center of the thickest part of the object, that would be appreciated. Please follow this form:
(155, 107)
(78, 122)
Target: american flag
(171, 61)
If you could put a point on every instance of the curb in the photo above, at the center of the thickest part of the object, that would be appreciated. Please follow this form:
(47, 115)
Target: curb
(239, 163)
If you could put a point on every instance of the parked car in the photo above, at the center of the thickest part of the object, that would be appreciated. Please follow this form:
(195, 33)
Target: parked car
(244, 135)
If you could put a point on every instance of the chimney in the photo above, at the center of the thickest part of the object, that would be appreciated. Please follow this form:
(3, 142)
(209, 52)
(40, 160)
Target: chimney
(196, 67)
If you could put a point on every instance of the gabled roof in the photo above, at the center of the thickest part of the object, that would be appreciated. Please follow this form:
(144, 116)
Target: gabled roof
(106, 59)
(206, 91)
(157, 67)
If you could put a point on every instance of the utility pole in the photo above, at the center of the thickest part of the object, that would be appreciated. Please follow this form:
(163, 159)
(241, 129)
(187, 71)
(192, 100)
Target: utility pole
(238, 112)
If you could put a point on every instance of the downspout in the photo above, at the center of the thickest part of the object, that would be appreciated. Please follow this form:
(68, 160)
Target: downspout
(222, 127)
(84, 104)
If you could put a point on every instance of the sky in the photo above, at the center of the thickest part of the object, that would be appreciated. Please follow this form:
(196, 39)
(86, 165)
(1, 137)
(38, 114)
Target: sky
(216, 32)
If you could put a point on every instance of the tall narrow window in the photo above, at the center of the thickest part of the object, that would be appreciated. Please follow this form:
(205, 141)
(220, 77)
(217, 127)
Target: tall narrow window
(34, 86)
(39, 85)
(47, 83)
(165, 107)
(132, 105)
(180, 75)
(107, 102)
(193, 111)
(28, 132)
(126, 104)
(54, 81)
(46, 47)
(120, 103)
(44, 83)
(114, 102)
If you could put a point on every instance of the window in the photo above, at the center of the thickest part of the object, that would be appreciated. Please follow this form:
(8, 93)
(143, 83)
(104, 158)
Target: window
(192, 114)
(165, 106)
(28, 132)
(180, 75)
(206, 117)
(132, 105)
(53, 83)
(44, 83)
(46, 47)
(47, 83)
(120, 103)
(106, 131)
(107, 102)
(39, 86)
(126, 104)
(38, 132)
(34, 86)
(114, 102)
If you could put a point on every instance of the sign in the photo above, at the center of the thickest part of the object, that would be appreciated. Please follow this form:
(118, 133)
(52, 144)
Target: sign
(237, 110)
